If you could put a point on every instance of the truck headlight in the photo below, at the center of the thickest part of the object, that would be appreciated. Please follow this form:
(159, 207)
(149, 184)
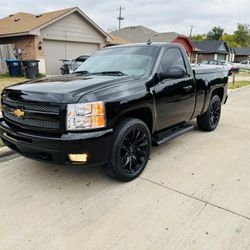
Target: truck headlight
(82, 116)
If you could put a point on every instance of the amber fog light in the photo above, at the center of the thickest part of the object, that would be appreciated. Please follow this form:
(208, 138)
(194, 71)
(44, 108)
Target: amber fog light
(78, 158)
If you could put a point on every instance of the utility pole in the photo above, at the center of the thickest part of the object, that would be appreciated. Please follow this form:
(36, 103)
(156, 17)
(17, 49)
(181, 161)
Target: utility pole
(120, 18)
(191, 30)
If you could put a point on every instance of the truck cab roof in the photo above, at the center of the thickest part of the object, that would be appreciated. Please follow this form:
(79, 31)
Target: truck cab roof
(153, 44)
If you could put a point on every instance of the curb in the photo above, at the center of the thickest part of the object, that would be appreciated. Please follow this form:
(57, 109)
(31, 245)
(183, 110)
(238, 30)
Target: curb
(238, 89)
(5, 152)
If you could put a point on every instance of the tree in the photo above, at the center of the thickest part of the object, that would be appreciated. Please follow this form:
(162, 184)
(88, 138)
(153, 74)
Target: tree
(216, 33)
(199, 37)
(242, 35)
(230, 40)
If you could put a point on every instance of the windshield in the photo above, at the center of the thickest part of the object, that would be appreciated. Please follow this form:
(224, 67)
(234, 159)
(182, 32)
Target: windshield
(130, 61)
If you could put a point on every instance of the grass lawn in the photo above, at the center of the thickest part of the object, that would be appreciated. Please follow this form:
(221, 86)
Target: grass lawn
(6, 81)
(244, 73)
(238, 84)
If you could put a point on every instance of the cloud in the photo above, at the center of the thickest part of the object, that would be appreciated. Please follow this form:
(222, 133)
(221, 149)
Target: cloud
(161, 15)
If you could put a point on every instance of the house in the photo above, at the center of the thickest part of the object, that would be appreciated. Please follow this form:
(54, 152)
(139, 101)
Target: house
(141, 34)
(49, 37)
(241, 54)
(116, 40)
(191, 50)
(212, 49)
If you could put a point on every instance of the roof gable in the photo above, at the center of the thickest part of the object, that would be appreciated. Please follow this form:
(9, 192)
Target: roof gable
(141, 34)
(186, 42)
(222, 47)
(26, 23)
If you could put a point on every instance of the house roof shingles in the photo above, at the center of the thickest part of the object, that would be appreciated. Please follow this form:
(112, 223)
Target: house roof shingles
(25, 22)
(140, 34)
(117, 40)
(242, 51)
(211, 46)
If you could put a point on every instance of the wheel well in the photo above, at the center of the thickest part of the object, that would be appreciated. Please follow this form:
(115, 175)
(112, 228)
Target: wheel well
(143, 114)
(219, 92)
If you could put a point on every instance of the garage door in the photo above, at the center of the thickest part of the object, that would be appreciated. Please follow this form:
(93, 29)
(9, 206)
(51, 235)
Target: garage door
(56, 50)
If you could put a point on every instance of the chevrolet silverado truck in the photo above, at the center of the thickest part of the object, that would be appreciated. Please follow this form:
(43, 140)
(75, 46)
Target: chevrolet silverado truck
(115, 106)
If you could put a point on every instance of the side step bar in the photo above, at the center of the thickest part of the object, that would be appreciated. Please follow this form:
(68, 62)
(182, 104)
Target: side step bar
(170, 134)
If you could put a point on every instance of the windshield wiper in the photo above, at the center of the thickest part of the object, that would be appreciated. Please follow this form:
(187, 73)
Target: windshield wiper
(116, 73)
(82, 72)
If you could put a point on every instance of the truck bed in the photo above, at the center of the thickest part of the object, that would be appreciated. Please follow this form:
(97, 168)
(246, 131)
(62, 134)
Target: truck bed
(208, 69)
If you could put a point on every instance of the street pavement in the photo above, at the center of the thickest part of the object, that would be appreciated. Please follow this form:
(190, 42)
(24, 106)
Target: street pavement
(194, 194)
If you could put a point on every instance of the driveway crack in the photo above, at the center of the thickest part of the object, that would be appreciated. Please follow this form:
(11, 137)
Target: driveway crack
(197, 199)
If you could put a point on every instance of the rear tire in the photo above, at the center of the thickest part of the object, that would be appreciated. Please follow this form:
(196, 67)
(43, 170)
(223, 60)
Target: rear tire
(130, 150)
(210, 119)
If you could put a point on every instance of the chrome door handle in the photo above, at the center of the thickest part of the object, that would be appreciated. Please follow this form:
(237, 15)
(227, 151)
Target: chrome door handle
(188, 88)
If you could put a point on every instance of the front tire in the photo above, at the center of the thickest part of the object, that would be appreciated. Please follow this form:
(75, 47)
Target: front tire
(130, 150)
(210, 119)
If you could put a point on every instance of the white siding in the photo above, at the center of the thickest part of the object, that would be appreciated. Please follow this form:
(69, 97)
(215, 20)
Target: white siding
(69, 38)
(73, 28)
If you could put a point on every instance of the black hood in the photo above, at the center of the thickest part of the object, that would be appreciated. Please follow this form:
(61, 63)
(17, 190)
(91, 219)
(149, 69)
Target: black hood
(61, 89)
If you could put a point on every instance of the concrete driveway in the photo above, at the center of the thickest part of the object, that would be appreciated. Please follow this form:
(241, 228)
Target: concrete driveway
(194, 194)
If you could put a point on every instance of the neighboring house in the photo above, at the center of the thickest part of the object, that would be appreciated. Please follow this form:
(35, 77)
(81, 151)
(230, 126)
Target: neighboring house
(188, 46)
(116, 40)
(241, 54)
(212, 49)
(141, 34)
(49, 37)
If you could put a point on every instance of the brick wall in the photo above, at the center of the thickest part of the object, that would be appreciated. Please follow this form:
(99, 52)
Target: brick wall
(39, 48)
(241, 58)
(203, 57)
(29, 46)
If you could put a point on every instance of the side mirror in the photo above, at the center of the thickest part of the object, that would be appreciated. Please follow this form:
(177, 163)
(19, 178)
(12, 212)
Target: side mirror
(173, 72)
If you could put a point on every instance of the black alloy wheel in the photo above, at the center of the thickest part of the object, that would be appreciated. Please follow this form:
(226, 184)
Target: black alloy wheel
(210, 119)
(215, 113)
(130, 151)
(134, 150)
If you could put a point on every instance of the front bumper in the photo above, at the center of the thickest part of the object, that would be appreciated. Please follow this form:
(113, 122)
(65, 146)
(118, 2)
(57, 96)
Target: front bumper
(56, 149)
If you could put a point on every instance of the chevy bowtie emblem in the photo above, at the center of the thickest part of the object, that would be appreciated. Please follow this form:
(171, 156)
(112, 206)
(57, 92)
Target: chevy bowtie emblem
(19, 113)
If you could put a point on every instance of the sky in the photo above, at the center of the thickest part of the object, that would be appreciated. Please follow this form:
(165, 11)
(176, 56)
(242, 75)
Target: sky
(160, 15)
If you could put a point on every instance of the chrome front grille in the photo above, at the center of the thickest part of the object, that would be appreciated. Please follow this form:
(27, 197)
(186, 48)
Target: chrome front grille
(35, 116)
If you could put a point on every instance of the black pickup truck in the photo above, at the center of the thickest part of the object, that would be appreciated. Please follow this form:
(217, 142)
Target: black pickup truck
(117, 104)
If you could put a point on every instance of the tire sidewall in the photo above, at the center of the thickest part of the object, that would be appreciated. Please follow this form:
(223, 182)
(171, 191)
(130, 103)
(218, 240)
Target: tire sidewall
(214, 99)
(121, 133)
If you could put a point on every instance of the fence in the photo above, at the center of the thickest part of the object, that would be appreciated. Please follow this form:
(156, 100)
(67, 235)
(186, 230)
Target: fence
(6, 51)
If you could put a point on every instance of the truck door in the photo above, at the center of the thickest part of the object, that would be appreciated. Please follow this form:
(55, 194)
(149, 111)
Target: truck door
(174, 97)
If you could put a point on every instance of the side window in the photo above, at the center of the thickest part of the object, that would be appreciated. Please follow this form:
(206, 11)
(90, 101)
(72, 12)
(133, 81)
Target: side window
(172, 57)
